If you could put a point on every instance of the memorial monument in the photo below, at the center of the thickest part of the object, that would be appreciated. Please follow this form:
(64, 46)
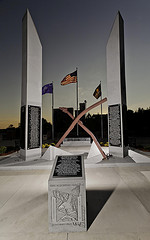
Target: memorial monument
(31, 95)
(67, 195)
(116, 86)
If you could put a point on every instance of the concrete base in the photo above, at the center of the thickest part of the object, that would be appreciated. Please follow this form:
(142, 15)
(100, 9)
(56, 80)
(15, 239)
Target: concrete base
(67, 195)
(30, 154)
(76, 142)
(94, 151)
(52, 152)
(139, 158)
(118, 151)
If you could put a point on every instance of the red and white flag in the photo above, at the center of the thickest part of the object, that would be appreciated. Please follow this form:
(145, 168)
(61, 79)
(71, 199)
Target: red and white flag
(70, 78)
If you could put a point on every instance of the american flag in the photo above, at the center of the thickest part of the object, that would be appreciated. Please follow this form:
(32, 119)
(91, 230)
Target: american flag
(70, 78)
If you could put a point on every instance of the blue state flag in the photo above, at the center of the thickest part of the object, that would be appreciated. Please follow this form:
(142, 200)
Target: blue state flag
(48, 88)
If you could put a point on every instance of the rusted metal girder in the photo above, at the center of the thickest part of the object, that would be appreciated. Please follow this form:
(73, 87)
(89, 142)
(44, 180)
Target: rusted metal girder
(78, 118)
(65, 110)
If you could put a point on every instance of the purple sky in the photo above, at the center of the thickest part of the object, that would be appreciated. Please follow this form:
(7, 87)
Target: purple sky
(73, 33)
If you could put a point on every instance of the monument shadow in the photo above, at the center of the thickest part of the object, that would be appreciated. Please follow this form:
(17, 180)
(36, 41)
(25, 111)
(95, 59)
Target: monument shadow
(96, 200)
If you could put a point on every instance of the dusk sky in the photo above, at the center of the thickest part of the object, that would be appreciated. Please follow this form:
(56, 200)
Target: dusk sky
(73, 33)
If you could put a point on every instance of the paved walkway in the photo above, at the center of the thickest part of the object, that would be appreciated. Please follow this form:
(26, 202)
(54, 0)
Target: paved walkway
(118, 201)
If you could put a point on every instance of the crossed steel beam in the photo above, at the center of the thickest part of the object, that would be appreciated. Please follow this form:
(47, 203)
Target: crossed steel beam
(65, 110)
(77, 120)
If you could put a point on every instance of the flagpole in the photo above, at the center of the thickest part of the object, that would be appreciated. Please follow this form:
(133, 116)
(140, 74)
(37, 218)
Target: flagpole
(52, 113)
(101, 115)
(77, 88)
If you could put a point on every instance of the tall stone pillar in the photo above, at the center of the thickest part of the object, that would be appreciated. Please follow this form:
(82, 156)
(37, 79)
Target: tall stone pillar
(31, 95)
(116, 86)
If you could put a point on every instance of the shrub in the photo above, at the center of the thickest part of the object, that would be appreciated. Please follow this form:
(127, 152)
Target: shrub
(52, 144)
(106, 144)
(46, 145)
(3, 149)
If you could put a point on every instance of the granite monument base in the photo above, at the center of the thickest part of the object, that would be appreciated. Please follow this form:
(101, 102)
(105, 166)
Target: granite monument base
(31, 154)
(52, 152)
(76, 141)
(67, 195)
